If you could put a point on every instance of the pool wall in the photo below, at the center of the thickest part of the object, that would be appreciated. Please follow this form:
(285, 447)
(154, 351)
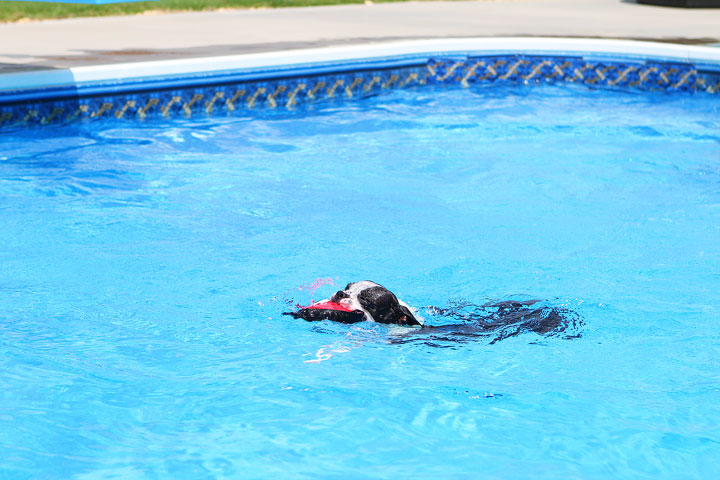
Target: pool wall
(286, 80)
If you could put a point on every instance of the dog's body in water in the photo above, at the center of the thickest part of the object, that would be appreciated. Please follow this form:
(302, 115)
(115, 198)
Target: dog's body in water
(368, 301)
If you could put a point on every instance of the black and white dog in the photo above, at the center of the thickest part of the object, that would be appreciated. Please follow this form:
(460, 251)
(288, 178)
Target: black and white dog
(360, 302)
(368, 301)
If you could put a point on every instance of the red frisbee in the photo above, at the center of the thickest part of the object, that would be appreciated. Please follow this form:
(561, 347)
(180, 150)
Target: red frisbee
(327, 305)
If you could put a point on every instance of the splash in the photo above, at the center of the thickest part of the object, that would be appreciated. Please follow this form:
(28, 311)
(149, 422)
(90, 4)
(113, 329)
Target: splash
(287, 297)
(319, 282)
(328, 351)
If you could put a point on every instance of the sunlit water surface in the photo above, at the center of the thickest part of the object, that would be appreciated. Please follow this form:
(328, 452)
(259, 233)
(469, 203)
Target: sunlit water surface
(146, 266)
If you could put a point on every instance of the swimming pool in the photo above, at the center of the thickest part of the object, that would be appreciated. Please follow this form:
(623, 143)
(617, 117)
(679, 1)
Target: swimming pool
(146, 266)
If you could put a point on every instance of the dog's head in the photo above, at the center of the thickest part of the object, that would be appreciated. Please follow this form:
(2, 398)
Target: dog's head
(377, 303)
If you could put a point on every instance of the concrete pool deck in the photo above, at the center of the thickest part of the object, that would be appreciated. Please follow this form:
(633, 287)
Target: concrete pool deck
(60, 44)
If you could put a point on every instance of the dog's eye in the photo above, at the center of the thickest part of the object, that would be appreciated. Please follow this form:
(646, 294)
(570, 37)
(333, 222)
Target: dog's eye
(339, 296)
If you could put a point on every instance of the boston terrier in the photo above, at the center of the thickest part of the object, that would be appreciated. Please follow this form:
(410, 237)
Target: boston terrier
(360, 302)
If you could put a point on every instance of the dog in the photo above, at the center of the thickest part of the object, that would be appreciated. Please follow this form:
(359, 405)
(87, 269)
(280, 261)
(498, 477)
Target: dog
(367, 301)
(364, 301)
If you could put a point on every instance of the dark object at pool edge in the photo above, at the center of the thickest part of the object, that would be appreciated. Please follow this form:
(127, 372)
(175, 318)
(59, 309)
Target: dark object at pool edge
(683, 3)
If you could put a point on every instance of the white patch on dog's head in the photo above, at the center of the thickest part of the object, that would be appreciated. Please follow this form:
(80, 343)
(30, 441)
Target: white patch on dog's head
(352, 290)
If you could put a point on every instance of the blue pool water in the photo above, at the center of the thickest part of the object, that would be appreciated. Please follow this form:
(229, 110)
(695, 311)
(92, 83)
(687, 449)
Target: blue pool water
(146, 266)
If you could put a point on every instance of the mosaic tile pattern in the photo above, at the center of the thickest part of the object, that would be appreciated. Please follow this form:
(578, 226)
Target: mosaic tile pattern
(646, 76)
(292, 93)
(285, 94)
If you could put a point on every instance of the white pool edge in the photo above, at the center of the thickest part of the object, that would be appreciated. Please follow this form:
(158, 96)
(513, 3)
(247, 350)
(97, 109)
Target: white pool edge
(284, 60)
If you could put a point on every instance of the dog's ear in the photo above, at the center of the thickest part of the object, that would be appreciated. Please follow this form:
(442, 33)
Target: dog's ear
(379, 302)
(384, 307)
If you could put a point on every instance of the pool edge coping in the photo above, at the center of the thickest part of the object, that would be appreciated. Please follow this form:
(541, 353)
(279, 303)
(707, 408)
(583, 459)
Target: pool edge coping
(357, 56)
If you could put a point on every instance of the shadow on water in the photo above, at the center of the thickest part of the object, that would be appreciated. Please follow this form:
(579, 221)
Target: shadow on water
(494, 322)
